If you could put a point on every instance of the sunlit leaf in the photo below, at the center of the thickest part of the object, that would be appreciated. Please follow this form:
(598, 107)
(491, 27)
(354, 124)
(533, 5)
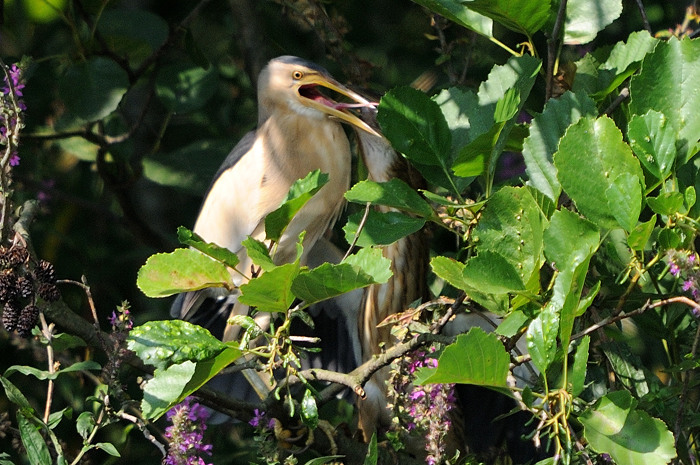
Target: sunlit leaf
(474, 358)
(381, 228)
(182, 270)
(630, 436)
(586, 18)
(394, 193)
(271, 291)
(222, 254)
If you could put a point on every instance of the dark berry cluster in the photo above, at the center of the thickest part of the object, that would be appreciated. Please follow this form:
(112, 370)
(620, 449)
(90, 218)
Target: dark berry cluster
(21, 281)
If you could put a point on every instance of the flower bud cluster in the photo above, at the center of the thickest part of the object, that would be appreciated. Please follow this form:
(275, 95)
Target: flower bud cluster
(20, 283)
(684, 265)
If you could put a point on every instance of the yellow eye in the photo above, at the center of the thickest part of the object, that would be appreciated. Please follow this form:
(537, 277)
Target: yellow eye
(297, 75)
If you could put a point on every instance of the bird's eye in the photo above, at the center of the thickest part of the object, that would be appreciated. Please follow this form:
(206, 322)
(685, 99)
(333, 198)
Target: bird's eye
(297, 75)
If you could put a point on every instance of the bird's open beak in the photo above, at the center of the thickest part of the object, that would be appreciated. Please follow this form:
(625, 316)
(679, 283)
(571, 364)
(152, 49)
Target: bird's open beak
(312, 97)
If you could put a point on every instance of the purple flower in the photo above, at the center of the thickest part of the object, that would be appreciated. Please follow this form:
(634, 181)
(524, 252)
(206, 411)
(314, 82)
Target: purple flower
(674, 269)
(186, 434)
(14, 159)
(687, 285)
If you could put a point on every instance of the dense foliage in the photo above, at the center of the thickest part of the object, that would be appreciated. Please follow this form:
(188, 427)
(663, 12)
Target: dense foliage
(559, 140)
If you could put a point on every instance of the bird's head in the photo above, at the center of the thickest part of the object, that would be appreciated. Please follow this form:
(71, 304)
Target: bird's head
(297, 85)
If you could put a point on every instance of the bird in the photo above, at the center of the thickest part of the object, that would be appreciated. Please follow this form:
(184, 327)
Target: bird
(298, 131)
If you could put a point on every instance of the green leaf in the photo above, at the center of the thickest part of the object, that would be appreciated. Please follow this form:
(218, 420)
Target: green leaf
(639, 236)
(372, 454)
(109, 448)
(512, 324)
(666, 83)
(259, 253)
(690, 197)
(132, 32)
(456, 12)
(92, 89)
(44, 374)
(628, 367)
(182, 270)
(490, 272)
(381, 228)
(166, 388)
(512, 225)
(624, 198)
(569, 243)
(184, 87)
(299, 193)
(32, 440)
(600, 79)
(545, 131)
(271, 291)
(586, 18)
(474, 358)
(452, 271)
(416, 127)
(591, 156)
(507, 106)
(15, 396)
(324, 460)
(84, 424)
(465, 117)
(165, 342)
(653, 140)
(630, 436)
(523, 16)
(368, 266)
(175, 169)
(542, 338)
(309, 410)
(221, 254)
(473, 158)
(394, 193)
(667, 203)
(578, 372)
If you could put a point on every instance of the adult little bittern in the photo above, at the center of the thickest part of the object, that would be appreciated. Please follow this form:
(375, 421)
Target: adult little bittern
(298, 131)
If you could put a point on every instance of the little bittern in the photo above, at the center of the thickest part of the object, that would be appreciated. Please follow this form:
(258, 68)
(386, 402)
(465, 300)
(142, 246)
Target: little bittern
(298, 131)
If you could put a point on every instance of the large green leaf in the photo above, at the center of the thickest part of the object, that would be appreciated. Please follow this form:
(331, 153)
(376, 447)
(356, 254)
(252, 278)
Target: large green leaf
(166, 342)
(271, 291)
(586, 18)
(591, 156)
(92, 89)
(452, 271)
(184, 87)
(132, 32)
(545, 131)
(569, 244)
(624, 198)
(368, 266)
(474, 358)
(524, 16)
(653, 140)
(630, 436)
(34, 443)
(542, 336)
(182, 270)
(455, 11)
(381, 228)
(668, 83)
(492, 273)
(577, 376)
(394, 193)
(416, 127)
(516, 76)
(511, 225)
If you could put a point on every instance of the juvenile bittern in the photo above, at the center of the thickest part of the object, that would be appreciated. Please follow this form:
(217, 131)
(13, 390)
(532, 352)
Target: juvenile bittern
(298, 131)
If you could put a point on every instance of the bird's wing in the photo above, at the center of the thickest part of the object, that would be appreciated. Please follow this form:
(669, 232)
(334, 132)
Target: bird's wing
(209, 307)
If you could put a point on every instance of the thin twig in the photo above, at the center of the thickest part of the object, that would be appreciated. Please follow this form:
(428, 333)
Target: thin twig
(643, 12)
(648, 305)
(359, 230)
(624, 94)
(47, 332)
(552, 46)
